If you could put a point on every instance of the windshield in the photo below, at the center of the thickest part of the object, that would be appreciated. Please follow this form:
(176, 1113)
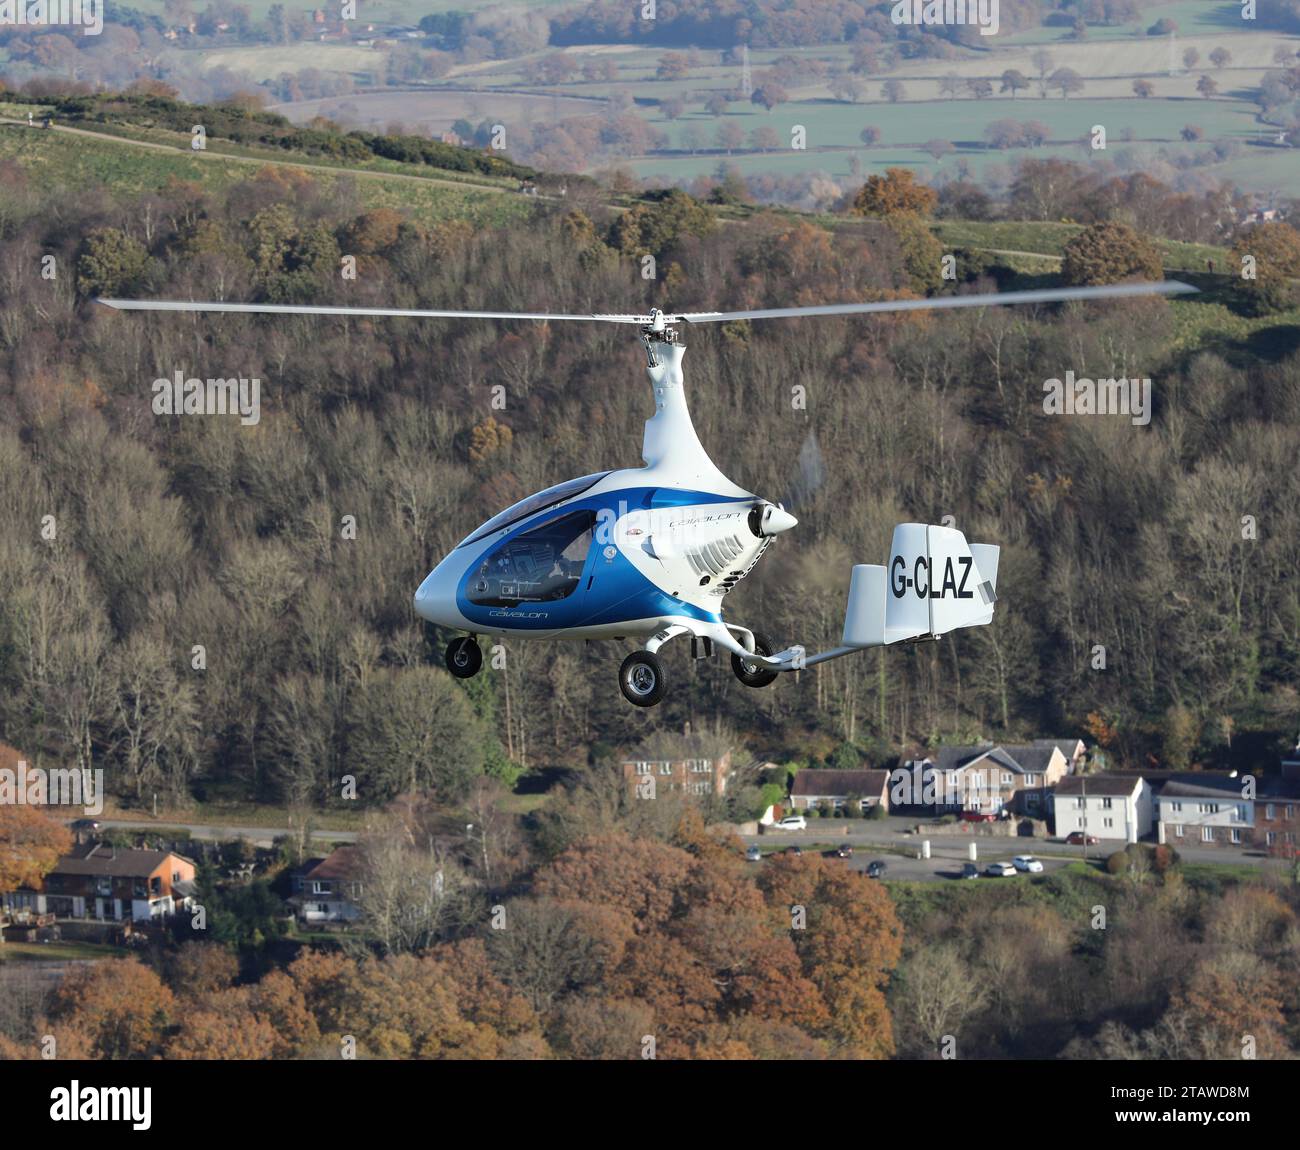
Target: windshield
(535, 503)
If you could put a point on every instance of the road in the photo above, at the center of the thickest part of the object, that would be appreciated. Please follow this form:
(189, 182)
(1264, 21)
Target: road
(949, 851)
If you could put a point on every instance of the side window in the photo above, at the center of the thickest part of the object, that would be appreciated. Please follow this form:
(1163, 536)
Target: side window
(540, 566)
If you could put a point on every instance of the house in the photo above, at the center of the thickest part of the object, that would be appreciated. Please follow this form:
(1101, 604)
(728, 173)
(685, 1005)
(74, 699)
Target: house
(834, 789)
(693, 769)
(1074, 751)
(1206, 808)
(1111, 806)
(110, 884)
(329, 890)
(988, 778)
(1291, 763)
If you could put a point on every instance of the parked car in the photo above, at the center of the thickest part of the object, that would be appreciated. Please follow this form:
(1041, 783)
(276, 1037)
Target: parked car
(999, 870)
(970, 870)
(85, 825)
(1027, 863)
(791, 823)
(978, 817)
(1076, 838)
(753, 855)
(794, 850)
(844, 851)
(876, 869)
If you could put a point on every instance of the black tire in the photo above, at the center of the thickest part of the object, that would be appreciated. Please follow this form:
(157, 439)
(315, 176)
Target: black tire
(641, 679)
(754, 674)
(464, 657)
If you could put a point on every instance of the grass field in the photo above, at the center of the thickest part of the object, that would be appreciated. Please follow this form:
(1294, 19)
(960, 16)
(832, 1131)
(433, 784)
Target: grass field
(68, 951)
(1108, 59)
(404, 12)
(127, 171)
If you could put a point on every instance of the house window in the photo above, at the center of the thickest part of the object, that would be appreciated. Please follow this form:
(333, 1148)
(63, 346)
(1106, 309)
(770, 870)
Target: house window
(1178, 830)
(1236, 835)
(1270, 838)
(1006, 778)
(1290, 810)
(1031, 780)
(666, 769)
(1207, 834)
(1081, 821)
(1270, 811)
(1242, 813)
(1176, 807)
(1108, 822)
(1080, 803)
(1105, 804)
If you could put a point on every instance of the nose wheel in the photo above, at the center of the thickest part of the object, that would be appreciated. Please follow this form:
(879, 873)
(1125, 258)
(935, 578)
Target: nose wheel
(464, 657)
(641, 679)
(754, 674)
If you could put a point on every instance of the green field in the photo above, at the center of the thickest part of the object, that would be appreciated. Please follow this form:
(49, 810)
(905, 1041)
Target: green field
(128, 171)
(67, 951)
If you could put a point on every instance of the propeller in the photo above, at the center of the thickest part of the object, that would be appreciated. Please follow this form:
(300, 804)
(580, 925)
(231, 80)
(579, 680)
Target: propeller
(656, 320)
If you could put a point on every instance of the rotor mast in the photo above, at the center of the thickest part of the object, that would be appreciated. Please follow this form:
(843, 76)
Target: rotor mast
(671, 448)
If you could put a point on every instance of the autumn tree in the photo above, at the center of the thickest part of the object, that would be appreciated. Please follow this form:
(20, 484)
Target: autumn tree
(111, 263)
(769, 96)
(1067, 80)
(895, 191)
(31, 842)
(1107, 253)
(1013, 81)
(1266, 258)
(893, 90)
(121, 1005)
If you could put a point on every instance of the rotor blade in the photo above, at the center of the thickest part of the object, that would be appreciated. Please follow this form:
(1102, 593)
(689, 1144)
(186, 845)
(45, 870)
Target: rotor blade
(1046, 295)
(311, 309)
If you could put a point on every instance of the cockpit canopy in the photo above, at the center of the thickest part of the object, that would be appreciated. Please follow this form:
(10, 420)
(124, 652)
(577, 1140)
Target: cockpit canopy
(533, 504)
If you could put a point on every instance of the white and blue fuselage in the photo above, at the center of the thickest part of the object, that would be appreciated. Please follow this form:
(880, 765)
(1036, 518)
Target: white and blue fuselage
(618, 553)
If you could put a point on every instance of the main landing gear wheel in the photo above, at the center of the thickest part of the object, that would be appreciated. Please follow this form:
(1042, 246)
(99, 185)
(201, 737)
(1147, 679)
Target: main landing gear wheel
(464, 657)
(641, 679)
(755, 674)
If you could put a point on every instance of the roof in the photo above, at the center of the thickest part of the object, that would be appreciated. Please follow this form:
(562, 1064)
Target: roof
(1020, 759)
(1207, 784)
(101, 859)
(1069, 746)
(1035, 757)
(342, 863)
(1105, 783)
(832, 782)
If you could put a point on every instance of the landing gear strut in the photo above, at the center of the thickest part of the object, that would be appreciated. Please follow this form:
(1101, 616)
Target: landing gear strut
(464, 657)
(641, 679)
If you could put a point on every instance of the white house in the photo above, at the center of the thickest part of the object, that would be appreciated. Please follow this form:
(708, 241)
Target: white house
(1213, 809)
(1111, 807)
